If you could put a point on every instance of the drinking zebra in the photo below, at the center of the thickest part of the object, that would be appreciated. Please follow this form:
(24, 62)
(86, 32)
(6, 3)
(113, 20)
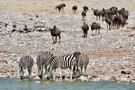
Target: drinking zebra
(26, 62)
(64, 62)
(82, 65)
(43, 60)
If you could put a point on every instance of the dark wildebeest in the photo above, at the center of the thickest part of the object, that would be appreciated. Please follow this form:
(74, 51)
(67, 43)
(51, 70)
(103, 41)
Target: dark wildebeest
(108, 20)
(55, 32)
(82, 64)
(97, 13)
(107, 12)
(83, 15)
(95, 26)
(85, 8)
(26, 62)
(124, 13)
(43, 60)
(74, 8)
(61, 6)
(118, 20)
(114, 10)
(85, 29)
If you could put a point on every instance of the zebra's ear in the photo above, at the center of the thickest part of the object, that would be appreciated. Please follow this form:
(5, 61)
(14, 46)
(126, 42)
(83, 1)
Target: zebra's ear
(77, 53)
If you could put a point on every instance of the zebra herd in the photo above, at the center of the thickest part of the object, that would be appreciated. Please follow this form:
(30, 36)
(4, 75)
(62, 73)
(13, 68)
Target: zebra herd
(76, 62)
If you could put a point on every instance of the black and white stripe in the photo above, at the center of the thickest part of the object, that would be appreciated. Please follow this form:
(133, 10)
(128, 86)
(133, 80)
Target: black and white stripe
(26, 62)
(43, 60)
(64, 62)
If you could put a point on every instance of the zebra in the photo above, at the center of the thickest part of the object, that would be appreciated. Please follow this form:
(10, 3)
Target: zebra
(64, 62)
(43, 60)
(82, 65)
(25, 62)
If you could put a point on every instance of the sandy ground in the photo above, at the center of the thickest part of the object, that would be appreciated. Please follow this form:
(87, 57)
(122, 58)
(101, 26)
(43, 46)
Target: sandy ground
(110, 52)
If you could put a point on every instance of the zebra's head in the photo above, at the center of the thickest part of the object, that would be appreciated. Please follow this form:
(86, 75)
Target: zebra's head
(77, 54)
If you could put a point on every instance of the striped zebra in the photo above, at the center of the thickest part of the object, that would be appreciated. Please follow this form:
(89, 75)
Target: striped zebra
(26, 62)
(64, 62)
(82, 64)
(43, 60)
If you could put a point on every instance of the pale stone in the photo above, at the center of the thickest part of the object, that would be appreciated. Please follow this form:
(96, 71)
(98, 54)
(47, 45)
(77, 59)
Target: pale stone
(96, 79)
(82, 78)
(37, 82)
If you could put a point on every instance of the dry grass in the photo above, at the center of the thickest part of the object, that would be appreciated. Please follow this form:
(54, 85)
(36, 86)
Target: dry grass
(110, 53)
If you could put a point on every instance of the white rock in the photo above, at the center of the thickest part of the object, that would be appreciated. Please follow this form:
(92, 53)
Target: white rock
(124, 80)
(37, 82)
(36, 78)
(82, 78)
(96, 79)
(106, 78)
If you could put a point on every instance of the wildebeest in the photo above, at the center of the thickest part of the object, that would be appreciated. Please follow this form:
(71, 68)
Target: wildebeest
(43, 60)
(109, 21)
(82, 64)
(124, 13)
(26, 62)
(97, 13)
(64, 62)
(83, 15)
(85, 29)
(74, 8)
(55, 32)
(95, 26)
(85, 8)
(60, 6)
(118, 20)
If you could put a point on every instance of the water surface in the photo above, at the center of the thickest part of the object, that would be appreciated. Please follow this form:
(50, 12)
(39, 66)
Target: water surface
(16, 84)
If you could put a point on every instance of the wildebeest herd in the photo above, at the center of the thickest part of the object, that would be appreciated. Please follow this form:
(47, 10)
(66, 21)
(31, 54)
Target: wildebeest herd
(113, 17)
(76, 61)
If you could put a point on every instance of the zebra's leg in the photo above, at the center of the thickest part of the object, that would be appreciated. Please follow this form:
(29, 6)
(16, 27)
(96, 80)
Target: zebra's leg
(54, 73)
(46, 71)
(29, 71)
(41, 71)
(71, 73)
(60, 73)
(85, 70)
(81, 70)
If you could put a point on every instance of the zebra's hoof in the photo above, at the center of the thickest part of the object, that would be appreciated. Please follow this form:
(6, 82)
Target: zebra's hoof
(48, 78)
